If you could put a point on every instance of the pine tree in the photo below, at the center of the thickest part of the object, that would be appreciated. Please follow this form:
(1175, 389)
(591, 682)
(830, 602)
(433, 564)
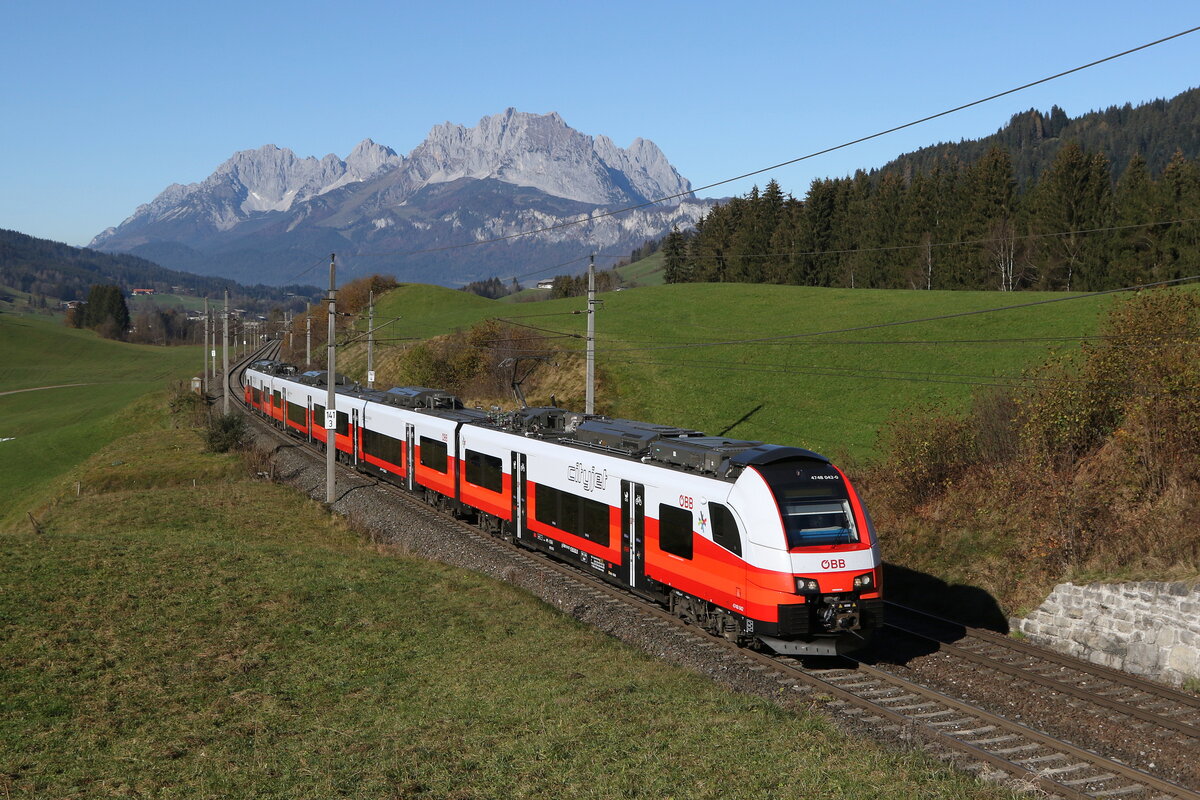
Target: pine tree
(1181, 201)
(1072, 197)
(1137, 251)
(106, 311)
(675, 266)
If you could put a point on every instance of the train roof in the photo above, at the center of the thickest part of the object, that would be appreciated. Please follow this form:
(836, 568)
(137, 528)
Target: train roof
(677, 448)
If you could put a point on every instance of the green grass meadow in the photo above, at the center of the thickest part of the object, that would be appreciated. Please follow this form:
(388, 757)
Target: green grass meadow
(181, 630)
(50, 430)
(831, 393)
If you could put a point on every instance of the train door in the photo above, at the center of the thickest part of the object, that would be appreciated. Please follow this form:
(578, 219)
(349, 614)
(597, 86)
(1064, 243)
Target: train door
(355, 435)
(633, 532)
(410, 458)
(519, 498)
(308, 428)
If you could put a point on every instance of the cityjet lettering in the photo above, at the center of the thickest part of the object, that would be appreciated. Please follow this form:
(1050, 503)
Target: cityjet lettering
(588, 477)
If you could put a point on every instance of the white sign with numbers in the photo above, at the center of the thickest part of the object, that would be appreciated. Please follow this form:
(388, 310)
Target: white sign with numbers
(330, 419)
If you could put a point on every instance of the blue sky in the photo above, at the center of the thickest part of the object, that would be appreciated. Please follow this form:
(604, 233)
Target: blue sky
(106, 104)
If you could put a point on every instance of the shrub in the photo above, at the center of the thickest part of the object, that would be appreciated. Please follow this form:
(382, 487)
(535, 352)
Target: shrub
(226, 432)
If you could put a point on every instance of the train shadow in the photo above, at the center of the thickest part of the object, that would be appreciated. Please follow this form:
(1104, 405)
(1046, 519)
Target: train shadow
(967, 605)
(962, 606)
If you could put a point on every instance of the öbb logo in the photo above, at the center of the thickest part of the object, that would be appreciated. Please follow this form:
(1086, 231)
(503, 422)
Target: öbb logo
(833, 563)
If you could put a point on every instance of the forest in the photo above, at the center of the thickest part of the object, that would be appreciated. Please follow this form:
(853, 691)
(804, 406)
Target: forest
(1036, 210)
(52, 271)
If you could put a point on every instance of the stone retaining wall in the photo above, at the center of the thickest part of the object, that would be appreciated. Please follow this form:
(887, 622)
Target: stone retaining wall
(1150, 629)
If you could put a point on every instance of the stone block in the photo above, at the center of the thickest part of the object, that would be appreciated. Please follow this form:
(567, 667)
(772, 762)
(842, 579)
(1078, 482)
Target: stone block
(1165, 637)
(1143, 658)
(1185, 660)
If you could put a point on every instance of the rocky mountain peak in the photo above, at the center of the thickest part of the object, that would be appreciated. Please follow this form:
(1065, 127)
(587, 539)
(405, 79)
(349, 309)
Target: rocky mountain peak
(510, 172)
(541, 151)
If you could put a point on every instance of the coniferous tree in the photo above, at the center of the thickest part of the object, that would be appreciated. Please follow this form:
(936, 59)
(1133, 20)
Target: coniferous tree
(106, 311)
(1073, 196)
(1181, 200)
(1137, 244)
(675, 265)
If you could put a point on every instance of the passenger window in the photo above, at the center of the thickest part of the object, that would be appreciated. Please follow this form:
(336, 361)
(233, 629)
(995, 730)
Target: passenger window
(485, 471)
(725, 529)
(675, 531)
(434, 454)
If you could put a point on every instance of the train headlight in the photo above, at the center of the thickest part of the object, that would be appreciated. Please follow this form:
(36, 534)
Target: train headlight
(807, 586)
(865, 581)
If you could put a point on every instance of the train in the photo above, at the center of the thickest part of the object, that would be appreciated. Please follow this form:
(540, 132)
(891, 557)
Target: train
(766, 545)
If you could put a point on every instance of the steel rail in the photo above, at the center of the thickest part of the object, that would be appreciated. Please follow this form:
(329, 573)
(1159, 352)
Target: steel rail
(1100, 671)
(1027, 674)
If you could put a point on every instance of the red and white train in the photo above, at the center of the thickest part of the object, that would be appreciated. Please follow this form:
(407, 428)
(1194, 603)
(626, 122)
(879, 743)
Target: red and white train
(752, 541)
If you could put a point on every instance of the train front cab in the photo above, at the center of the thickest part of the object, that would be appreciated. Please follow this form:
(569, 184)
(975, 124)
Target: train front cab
(813, 566)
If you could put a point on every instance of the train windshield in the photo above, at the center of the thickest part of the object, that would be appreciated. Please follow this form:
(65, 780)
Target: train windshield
(813, 503)
(809, 524)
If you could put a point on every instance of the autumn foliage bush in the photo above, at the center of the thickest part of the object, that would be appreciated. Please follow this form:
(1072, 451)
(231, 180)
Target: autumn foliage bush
(1089, 467)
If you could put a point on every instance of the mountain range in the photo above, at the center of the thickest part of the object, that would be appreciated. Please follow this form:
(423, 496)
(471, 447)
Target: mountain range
(268, 215)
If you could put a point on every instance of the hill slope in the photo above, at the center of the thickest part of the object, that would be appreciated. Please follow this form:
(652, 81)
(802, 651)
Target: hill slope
(832, 392)
(49, 430)
(57, 271)
(1154, 130)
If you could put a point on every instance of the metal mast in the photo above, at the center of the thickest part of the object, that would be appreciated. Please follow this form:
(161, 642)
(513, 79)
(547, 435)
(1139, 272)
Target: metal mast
(589, 406)
(205, 347)
(225, 355)
(371, 341)
(330, 379)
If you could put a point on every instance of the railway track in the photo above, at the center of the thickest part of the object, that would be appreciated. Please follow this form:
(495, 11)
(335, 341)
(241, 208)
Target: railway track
(1109, 689)
(875, 698)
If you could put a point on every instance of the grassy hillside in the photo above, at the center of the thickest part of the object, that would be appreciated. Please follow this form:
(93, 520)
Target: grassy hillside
(51, 429)
(166, 636)
(647, 271)
(163, 301)
(830, 393)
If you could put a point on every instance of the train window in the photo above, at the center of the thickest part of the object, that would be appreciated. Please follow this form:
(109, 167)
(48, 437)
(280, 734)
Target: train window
(278, 399)
(382, 446)
(675, 531)
(485, 471)
(343, 423)
(298, 414)
(433, 454)
(725, 529)
(567, 512)
(810, 524)
(257, 395)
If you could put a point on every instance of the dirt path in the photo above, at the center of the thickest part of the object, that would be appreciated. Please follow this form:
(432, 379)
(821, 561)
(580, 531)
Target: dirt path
(39, 388)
